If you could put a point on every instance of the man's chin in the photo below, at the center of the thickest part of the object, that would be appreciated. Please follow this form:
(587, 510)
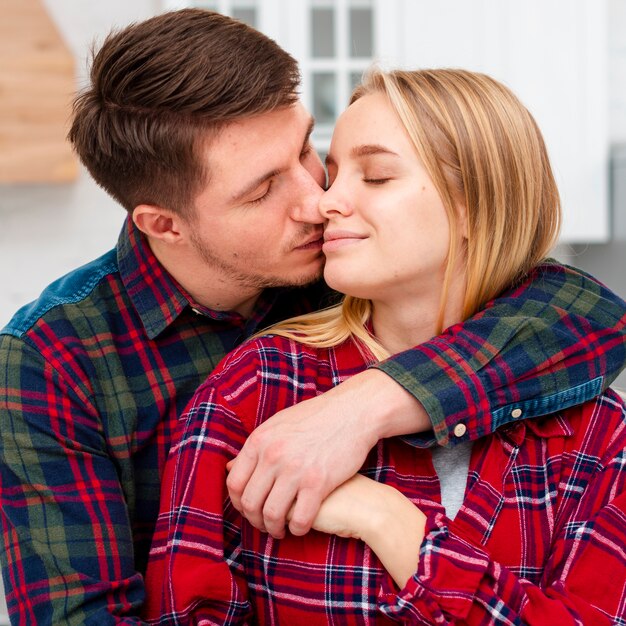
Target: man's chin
(298, 281)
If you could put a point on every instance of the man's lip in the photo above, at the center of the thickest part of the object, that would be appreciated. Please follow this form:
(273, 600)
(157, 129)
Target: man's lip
(313, 242)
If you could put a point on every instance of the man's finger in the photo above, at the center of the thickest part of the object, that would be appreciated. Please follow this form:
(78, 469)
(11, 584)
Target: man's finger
(307, 505)
(240, 471)
(277, 505)
(254, 497)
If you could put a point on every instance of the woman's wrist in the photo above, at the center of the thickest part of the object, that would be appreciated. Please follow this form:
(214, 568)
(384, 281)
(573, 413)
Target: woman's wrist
(395, 531)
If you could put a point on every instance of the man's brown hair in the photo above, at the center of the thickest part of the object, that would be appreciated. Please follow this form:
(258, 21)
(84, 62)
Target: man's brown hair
(160, 89)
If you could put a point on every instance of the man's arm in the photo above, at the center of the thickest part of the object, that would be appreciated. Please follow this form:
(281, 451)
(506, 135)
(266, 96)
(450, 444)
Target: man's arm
(68, 546)
(556, 340)
(301, 455)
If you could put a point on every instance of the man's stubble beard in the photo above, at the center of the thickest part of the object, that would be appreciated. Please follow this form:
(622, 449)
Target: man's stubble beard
(252, 280)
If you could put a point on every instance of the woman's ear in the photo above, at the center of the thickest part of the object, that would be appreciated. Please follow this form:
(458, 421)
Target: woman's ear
(157, 223)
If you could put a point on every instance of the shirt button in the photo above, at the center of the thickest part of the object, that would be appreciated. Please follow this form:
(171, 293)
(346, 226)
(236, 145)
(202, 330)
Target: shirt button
(515, 413)
(460, 429)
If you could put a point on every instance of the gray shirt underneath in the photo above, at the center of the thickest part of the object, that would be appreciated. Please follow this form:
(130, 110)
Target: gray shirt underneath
(452, 466)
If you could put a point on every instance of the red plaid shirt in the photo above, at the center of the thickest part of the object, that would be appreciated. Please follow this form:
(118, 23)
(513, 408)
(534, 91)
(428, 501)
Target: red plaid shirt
(540, 538)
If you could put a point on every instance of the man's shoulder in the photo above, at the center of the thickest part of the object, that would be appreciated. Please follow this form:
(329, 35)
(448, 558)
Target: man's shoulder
(70, 290)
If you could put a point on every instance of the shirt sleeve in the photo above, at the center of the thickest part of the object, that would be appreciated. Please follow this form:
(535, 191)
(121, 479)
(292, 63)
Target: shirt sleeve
(583, 580)
(555, 341)
(194, 571)
(68, 553)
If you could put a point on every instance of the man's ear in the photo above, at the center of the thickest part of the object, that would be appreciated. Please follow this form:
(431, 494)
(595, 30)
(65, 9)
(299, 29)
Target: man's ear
(157, 223)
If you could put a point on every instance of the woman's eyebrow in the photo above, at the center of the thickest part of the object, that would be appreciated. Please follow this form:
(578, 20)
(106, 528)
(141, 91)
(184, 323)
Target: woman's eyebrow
(363, 151)
(371, 149)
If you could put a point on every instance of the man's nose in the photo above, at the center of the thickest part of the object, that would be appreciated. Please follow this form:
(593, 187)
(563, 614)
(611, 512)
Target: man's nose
(305, 208)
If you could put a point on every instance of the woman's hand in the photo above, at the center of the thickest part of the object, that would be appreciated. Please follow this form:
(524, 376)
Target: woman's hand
(390, 524)
(348, 510)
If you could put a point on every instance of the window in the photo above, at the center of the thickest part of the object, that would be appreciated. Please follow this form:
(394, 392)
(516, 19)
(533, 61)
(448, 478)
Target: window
(341, 47)
(244, 10)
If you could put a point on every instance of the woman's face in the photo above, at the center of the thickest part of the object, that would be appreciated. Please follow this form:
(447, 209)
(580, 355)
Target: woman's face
(387, 235)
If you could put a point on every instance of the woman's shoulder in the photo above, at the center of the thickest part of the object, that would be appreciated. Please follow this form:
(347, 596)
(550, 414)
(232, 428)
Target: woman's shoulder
(609, 407)
(266, 353)
(271, 353)
(236, 389)
(270, 372)
(272, 362)
(254, 356)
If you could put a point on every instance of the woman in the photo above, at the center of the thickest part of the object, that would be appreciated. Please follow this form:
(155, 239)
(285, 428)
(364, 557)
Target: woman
(441, 196)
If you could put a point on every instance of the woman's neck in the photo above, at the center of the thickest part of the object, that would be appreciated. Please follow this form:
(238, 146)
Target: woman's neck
(405, 323)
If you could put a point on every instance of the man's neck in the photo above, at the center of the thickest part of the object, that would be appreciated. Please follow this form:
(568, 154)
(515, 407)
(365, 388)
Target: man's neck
(218, 293)
(207, 286)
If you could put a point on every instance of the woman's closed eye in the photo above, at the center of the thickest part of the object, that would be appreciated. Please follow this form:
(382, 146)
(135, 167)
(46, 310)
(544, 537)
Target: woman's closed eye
(376, 181)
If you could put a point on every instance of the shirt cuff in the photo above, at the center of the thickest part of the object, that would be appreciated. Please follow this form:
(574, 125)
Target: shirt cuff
(449, 389)
(448, 576)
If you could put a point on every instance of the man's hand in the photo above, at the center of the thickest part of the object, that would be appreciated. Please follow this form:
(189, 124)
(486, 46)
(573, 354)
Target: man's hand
(304, 452)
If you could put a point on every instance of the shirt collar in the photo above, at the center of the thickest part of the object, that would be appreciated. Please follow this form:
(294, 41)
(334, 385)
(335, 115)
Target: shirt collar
(156, 296)
(159, 299)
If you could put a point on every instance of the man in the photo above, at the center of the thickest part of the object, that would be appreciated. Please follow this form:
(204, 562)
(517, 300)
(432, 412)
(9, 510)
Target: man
(192, 123)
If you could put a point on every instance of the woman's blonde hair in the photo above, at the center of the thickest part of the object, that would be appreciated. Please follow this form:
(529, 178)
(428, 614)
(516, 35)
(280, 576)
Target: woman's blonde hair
(484, 153)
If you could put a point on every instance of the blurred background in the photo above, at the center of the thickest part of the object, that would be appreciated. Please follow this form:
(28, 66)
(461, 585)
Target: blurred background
(566, 59)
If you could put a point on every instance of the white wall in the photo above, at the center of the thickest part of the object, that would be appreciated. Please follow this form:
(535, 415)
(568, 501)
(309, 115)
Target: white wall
(46, 231)
(608, 261)
(617, 69)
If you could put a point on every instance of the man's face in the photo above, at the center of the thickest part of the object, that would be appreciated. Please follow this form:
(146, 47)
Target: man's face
(257, 222)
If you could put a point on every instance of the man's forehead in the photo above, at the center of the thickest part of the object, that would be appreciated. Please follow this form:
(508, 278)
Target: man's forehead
(261, 139)
(246, 152)
(296, 112)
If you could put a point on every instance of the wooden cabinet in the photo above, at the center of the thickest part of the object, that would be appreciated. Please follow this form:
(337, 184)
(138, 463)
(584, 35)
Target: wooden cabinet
(37, 85)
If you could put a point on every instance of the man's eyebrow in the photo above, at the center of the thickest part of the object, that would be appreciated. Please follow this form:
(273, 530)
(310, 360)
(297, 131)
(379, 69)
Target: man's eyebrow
(309, 130)
(257, 182)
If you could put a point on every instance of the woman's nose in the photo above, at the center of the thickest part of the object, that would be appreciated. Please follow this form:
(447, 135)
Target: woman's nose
(334, 201)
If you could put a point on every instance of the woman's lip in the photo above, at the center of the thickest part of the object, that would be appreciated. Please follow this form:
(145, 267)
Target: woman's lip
(340, 240)
(331, 235)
